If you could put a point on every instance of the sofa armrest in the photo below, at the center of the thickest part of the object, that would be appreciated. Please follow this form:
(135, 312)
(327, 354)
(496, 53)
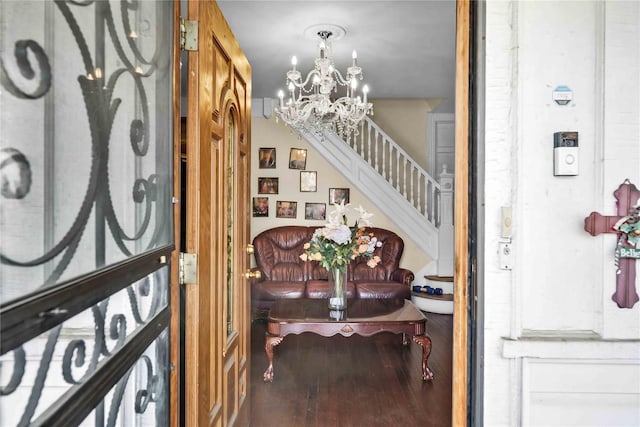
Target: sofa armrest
(403, 275)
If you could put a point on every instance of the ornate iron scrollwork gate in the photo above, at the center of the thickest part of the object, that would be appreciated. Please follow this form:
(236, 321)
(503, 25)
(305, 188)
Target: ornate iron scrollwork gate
(86, 229)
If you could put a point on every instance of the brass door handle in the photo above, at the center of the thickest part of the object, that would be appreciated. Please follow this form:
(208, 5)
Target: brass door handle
(253, 274)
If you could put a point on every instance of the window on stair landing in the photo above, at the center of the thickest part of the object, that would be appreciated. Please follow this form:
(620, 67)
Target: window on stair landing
(85, 211)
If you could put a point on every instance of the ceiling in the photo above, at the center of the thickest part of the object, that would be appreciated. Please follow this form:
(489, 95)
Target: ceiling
(406, 48)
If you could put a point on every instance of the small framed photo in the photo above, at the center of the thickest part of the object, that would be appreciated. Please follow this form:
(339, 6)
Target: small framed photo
(315, 211)
(338, 195)
(298, 158)
(267, 185)
(260, 206)
(286, 209)
(267, 158)
(308, 181)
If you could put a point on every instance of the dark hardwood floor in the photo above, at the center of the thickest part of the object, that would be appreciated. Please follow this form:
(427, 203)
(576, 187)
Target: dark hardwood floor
(352, 382)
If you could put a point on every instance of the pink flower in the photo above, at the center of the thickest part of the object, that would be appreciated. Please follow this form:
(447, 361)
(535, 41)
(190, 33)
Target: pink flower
(373, 261)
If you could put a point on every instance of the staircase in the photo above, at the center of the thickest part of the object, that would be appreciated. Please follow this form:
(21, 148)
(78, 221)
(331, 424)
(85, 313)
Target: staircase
(433, 302)
(420, 206)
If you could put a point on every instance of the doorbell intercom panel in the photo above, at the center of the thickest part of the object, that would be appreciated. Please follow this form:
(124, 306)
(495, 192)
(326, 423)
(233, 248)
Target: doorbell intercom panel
(565, 153)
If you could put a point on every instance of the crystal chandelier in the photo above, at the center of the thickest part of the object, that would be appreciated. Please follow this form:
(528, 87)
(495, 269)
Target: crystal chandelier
(325, 100)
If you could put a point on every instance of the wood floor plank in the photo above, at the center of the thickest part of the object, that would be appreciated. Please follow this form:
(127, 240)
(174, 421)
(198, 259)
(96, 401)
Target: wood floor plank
(352, 382)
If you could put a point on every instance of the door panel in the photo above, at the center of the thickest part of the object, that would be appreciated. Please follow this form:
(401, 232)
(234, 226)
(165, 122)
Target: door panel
(218, 142)
(440, 143)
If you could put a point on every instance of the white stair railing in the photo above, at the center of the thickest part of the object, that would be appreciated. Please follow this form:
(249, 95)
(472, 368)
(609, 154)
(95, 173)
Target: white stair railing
(392, 163)
(420, 206)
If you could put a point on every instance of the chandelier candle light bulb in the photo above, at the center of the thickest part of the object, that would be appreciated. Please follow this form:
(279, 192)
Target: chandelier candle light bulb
(315, 104)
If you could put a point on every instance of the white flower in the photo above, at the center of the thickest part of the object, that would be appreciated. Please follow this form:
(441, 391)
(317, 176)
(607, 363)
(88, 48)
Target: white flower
(364, 217)
(339, 233)
(338, 216)
(341, 208)
(373, 244)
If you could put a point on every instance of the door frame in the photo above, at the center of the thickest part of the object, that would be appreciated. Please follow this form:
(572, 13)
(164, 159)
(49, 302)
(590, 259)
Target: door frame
(175, 373)
(463, 109)
(460, 412)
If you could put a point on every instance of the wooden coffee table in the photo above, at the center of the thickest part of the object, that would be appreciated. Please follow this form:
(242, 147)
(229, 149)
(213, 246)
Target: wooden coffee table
(364, 317)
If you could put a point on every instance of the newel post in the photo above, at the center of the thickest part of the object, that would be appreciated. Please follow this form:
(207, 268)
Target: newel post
(445, 230)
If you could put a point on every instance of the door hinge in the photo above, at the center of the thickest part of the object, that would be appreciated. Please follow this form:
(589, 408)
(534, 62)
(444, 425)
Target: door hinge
(188, 268)
(188, 34)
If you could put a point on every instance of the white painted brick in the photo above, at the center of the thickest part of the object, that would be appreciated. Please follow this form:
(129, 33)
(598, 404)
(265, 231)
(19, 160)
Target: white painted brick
(562, 279)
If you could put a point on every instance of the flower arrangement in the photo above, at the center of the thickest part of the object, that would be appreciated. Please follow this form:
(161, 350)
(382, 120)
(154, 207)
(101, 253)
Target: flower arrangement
(335, 245)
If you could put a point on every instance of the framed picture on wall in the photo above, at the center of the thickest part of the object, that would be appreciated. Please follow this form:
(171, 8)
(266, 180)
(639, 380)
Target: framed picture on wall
(338, 195)
(267, 185)
(308, 181)
(315, 211)
(298, 158)
(267, 158)
(286, 209)
(260, 206)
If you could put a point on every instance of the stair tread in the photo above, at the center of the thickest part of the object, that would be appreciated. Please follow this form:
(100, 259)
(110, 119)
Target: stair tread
(439, 278)
(443, 297)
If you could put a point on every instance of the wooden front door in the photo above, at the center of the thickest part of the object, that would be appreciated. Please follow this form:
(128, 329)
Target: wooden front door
(217, 316)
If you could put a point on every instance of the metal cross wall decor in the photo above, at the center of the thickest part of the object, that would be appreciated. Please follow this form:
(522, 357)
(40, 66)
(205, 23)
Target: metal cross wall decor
(627, 195)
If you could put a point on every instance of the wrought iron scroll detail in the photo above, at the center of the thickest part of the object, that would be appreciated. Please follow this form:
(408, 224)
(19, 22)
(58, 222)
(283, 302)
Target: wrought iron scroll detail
(79, 358)
(77, 364)
(97, 91)
(21, 52)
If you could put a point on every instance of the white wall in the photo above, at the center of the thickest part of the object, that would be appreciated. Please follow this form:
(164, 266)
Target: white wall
(554, 308)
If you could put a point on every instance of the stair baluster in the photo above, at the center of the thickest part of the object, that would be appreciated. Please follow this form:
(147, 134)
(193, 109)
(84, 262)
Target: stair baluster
(413, 186)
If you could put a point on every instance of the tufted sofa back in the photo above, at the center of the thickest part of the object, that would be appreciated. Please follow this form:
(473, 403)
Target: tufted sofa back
(277, 252)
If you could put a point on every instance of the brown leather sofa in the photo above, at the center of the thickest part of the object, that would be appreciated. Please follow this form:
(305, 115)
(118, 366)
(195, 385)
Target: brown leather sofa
(284, 275)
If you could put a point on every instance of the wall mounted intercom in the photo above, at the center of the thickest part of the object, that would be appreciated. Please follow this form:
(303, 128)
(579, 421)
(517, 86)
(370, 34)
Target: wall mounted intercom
(565, 153)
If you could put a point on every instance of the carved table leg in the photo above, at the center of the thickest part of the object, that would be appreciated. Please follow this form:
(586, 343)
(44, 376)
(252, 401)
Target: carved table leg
(425, 342)
(270, 342)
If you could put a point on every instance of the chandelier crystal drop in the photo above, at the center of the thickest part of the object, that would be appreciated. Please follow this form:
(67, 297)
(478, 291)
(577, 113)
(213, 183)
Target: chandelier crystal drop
(325, 100)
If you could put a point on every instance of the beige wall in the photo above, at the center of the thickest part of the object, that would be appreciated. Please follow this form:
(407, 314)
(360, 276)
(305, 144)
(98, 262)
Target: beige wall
(405, 121)
(266, 133)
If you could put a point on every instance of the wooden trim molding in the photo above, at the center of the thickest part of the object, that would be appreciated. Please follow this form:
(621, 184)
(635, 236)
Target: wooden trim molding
(461, 208)
(175, 373)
